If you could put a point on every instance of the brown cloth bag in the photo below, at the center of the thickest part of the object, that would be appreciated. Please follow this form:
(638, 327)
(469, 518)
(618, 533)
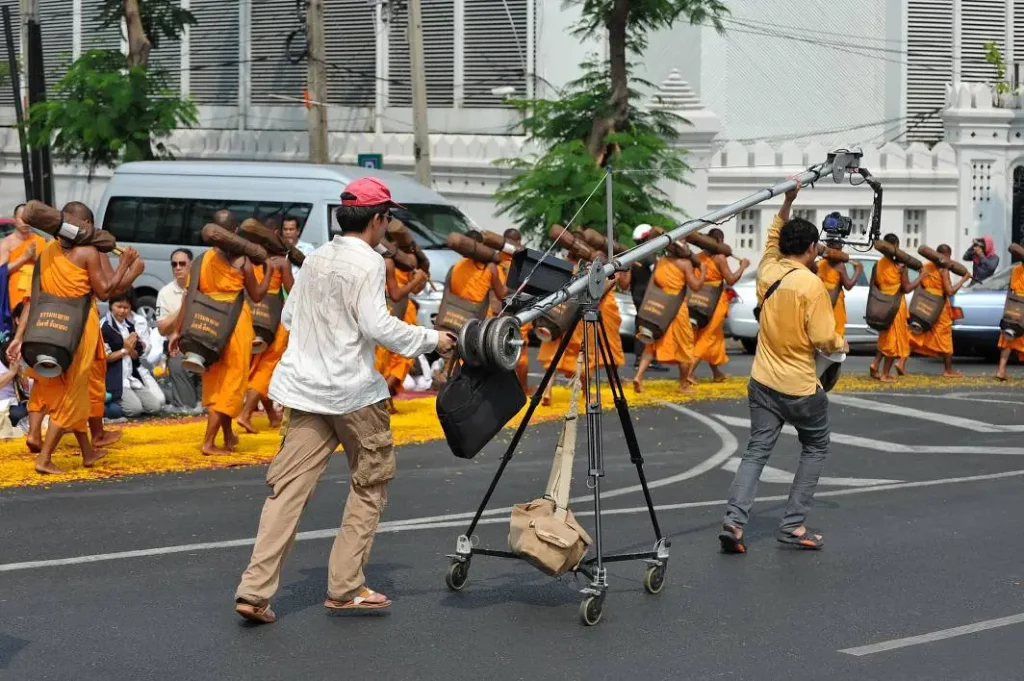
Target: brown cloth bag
(266, 317)
(54, 330)
(881, 308)
(925, 308)
(657, 311)
(454, 311)
(544, 532)
(703, 303)
(207, 326)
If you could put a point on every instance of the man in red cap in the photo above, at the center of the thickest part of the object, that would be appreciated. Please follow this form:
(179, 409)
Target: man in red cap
(336, 316)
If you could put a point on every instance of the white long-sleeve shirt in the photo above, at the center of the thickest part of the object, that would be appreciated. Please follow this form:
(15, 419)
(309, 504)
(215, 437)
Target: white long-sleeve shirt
(336, 316)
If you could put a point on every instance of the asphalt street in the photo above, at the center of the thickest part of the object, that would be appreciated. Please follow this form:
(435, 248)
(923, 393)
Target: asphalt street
(921, 577)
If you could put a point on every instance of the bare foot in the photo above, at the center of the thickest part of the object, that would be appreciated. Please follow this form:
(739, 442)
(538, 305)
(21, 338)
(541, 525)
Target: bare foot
(886, 378)
(97, 455)
(685, 387)
(35, 446)
(901, 367)
(275, 418)
(999, 377)
(391, 407)
(720, 378)
(873, 371)
(246, 425)
(638, 387)
(214, 450)
(952, 374)
(47, 468)
(546, 401)
(106, 438)
(691, 380)
(230, 441)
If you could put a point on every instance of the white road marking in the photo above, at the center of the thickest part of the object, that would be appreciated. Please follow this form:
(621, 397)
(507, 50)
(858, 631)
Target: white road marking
(961, 396)
(420, 524)
(770, 475)
(934, 636)
(910, 412)
(885, 446)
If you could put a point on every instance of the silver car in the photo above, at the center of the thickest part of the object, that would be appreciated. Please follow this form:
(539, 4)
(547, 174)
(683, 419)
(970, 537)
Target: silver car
(977, 332)
(741, 325)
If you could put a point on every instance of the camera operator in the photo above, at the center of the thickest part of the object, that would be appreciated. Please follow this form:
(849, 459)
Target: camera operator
(796, 321)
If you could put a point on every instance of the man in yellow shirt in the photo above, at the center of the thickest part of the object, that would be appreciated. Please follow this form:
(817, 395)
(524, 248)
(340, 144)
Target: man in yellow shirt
(796, 322)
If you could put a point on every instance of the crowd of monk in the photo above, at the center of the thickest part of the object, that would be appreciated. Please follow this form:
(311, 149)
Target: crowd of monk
(236, 384)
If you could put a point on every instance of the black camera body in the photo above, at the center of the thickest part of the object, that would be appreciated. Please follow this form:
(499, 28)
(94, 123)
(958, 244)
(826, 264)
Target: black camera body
(837, 229)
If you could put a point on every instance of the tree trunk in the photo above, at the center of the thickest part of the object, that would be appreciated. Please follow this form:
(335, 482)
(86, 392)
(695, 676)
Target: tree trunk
(618, 99)
(138, 42)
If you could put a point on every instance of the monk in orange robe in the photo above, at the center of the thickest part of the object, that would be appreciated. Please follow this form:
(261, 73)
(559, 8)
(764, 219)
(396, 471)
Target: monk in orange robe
(523, 366)
(19, 250)
(73, 272)
(474, 280)
(611, 321)
(709, 342)
(399, 286)
(264, 363)
(893, 343)
(673, 274)
(224, 277)
(1006, 346)
(838, 280)
(938, 340)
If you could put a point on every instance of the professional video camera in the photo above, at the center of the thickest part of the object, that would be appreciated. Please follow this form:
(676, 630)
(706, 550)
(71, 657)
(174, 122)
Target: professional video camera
(836, 228)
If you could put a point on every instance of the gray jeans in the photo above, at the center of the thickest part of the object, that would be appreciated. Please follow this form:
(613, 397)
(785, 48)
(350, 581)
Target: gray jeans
(186, 387)
(769, 411)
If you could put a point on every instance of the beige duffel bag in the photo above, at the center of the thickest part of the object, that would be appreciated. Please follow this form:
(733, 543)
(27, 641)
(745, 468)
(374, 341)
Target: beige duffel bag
(544, 532)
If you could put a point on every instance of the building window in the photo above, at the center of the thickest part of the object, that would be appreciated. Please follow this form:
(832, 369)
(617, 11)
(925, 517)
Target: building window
(860, 217)
(913, 228)
(929, 67)
(808, 214)
(748, 228)
(213, 52)
(494, 51)
(438, 54)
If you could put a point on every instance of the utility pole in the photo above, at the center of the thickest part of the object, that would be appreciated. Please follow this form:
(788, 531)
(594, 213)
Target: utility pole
(316, 82)
(420, 127)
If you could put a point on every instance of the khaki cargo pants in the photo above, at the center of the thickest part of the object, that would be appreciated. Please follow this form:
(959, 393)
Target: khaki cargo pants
(309, 440)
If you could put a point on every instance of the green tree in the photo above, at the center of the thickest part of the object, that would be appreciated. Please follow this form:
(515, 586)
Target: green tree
(593, 124)
(110, 107)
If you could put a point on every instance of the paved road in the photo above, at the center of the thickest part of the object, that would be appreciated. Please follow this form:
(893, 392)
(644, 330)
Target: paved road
(919, 511)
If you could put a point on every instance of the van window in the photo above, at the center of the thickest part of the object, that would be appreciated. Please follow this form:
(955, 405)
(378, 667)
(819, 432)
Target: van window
(179, 222)
(440, 219)
(421, 234)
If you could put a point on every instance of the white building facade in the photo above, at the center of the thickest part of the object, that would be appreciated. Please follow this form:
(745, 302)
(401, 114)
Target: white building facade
(787, 80)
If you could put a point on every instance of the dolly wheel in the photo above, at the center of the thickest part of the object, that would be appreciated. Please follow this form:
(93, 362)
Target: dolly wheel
(590, 610)
(654, 579)
(458, 575)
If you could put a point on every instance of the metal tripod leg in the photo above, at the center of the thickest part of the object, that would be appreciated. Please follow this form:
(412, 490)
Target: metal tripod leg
(595, 445)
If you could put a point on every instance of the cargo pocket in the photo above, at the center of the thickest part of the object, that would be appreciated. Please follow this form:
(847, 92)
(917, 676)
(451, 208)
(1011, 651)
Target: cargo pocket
(376, 461)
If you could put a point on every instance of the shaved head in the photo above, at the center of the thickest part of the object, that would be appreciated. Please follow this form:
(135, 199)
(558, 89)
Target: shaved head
(79, 211)
(226, 219)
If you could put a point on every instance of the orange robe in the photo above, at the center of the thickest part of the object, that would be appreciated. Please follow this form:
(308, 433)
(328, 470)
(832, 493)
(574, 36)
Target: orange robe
(19, 285)
(611, 319)
(676, 346)
(938, 340)
(709, 342)
(1017, 286)
(389, 364)
(225, 382)
(263, 364)
(894, 341)
(829, 275)
(98, 378)
(67, 396)
(471, 280)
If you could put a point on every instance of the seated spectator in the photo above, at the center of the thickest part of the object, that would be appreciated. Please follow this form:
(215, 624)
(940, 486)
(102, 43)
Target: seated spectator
(15, 404)
(185, 387)
(129, 384)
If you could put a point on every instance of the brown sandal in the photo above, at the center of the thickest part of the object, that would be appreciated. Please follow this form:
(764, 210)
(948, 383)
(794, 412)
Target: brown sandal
(256, 613)
(359, 602)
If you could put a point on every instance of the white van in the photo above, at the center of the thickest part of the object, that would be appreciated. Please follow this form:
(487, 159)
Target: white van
(158, 206)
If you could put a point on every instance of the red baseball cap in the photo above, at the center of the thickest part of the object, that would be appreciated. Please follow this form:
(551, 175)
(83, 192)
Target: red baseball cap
(367, 191)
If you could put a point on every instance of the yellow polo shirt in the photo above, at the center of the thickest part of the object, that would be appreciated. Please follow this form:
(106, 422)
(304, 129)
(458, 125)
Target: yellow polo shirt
(797, 319)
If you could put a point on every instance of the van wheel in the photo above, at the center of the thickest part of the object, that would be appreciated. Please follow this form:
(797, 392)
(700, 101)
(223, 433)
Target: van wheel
(146, 306)
(749, 345)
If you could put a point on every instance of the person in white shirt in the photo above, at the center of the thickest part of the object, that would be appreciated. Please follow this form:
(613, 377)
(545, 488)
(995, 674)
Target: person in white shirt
(291, 233)
(336, 316)
(185, 386)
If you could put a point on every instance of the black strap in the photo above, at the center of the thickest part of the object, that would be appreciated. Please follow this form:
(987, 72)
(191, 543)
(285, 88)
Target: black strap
(769, 292)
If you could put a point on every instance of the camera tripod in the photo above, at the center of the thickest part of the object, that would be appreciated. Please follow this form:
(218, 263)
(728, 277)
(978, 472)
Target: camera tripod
(594, 336)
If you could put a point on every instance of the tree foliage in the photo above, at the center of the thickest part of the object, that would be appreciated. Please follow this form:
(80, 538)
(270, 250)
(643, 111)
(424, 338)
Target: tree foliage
(104, 113)
(593, 123)
(548, 189)
(109, 107)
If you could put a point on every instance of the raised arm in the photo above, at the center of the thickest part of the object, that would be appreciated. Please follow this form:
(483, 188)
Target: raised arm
(947, 284)
(772, 254)
(107, 282)
(377, 323)
(497, 285)
(905, 284)
(847, 280)
(257, 290)
(28, 256)
(284, 266)
(730, 276)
